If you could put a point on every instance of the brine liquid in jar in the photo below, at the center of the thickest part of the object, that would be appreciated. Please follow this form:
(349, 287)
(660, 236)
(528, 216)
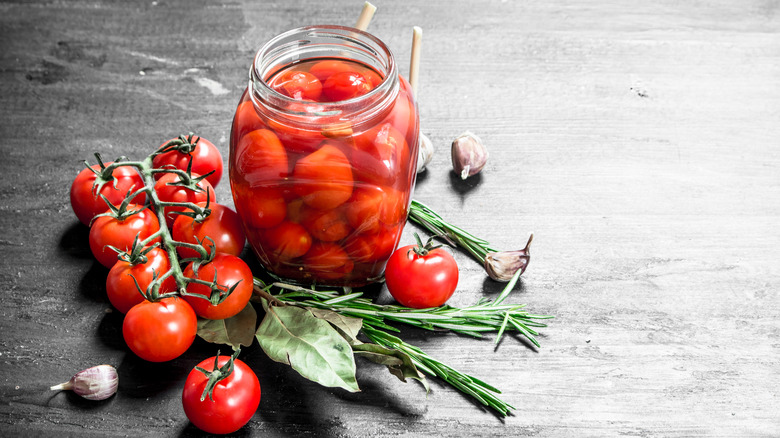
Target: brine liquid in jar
(322, 166)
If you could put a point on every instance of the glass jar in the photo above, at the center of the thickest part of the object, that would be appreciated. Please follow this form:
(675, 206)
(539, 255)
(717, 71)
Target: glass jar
(323, 153)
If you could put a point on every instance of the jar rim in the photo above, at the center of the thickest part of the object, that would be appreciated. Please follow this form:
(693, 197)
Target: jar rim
(292, 41)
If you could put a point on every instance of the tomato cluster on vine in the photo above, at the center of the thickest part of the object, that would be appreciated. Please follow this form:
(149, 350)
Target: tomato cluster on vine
(172, 253)
(171, 249)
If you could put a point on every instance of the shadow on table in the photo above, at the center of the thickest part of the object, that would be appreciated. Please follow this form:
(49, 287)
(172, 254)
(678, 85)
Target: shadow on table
(464, 186)
(75, 241)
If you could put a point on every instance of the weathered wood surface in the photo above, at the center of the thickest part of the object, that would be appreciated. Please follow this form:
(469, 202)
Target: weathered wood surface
(639, 141)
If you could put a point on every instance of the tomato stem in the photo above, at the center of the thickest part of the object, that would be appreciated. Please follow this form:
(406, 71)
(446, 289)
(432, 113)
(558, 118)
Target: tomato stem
(219, 373)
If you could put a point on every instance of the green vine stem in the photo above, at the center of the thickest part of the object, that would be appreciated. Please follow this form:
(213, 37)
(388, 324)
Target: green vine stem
(147, 171)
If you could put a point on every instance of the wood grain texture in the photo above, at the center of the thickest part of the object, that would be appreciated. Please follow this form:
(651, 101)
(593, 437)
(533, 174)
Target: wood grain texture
(639, 141)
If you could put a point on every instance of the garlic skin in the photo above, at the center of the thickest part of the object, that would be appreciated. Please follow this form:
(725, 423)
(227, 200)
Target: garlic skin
(96, 383)
(469, 155)
(502, 266)
(425, 154)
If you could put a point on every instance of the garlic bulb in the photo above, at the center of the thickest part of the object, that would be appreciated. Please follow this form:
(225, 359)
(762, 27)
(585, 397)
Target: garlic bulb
(425, 154)
(96, 383)
(502, 266)
(469, 155)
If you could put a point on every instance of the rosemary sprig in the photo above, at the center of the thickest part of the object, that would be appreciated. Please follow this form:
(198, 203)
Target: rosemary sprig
(485, 316)
(479, 390)
(500, 265)
(456, 236)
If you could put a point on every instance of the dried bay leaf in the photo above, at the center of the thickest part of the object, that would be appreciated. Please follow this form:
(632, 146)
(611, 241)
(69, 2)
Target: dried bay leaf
(294, 336)
(398, 363)
(349, 327)
(235, 331)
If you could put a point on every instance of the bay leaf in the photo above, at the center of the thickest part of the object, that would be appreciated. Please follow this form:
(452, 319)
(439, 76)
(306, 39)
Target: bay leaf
(293, 335)
(349, 327)
(398, 363)
(234, 331)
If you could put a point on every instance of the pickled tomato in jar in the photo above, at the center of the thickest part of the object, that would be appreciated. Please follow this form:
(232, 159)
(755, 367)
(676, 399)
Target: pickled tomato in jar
(323, 154)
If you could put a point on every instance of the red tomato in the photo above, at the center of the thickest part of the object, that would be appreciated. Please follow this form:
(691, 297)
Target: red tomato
(345, 85)
(260, 157)
(326, 226)
(324, 178)
(229, 271)
(295, 210)
(108, 230)
(205, 158)
(261, 207)
(122, 290)
(371, 207)
(421, 281)
(286, 241)
(88, 204)
(372, 77)
(381, 155)
(327, 261)
(327, 68)
(364, 248)
(223, 226)
(403, 115)
(246, 119)
(232, 403)
(159, 331)
(297, 84)
(174, 193)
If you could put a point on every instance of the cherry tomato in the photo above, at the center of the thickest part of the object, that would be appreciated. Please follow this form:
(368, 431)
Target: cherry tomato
(295, 209)
(372, 77)
(122, 290)
(230, 270)
(328, 261)
(286, 241)
(327, 68)
(260, 157)
(364, 248)
(297, 84)
(381, 155)
(403, 115)
(326, 226)
(223, 226)
(88, 204)
(261, 207)
(174, 193)
(205, 158)
(159, 331)
(421, 281)
(233, 401)
(109, 230)
(246, 119)
(324, 178)
(371, 207)
(345, 85)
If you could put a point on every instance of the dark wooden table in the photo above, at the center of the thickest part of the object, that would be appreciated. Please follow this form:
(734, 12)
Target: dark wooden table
(639, 141)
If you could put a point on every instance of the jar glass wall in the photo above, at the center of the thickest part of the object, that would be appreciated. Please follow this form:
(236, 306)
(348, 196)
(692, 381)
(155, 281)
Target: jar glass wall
(323, 154)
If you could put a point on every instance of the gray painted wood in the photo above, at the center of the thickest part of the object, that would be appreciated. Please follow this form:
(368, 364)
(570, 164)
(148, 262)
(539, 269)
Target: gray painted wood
(639, 141)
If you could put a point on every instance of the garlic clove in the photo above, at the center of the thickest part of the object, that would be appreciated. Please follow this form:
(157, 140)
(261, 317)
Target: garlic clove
(425, 155)
(469, 155)
(502, 266)
(96, 383)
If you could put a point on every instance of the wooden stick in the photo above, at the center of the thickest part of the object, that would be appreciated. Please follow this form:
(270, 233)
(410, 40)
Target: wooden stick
(365, 16)
(414, 66)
